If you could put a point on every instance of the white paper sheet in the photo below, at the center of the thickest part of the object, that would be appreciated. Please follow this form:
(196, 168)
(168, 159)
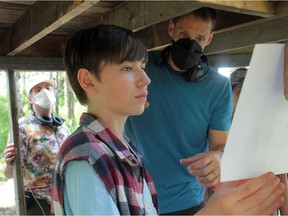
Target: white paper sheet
(258, 139)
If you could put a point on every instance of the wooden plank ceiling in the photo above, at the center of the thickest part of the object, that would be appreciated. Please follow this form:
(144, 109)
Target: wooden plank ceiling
(34, 32)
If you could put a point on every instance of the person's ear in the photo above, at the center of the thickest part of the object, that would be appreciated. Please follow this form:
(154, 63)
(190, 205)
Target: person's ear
(30, 99)
(86, 81)
(171, 27)
(210, 38)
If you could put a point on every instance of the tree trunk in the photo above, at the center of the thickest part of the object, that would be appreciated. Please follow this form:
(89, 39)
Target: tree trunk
(20, 112)
(58, 86)
(69, 99)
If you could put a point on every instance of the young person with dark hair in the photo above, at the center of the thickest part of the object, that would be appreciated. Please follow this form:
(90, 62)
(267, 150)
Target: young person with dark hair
(105, 66)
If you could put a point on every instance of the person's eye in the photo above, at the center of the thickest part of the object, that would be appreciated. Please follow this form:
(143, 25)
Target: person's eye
(143, 67)
(128, 69)
(183, 35)
(200, 39)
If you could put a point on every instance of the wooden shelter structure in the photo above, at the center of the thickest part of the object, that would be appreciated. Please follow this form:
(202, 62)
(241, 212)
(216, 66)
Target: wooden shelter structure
(33, 33)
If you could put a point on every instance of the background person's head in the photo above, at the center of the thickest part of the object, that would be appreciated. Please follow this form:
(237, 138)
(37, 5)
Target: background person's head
(40, 90)
(190, 34)
(236, 79)
(97, 46)
(197, 25)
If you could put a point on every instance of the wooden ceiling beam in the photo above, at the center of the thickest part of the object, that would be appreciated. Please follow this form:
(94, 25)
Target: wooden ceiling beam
(49, 46)
(257, 31)
(31, 63)
(228, 60)
(136, 15)
(157, 35)
(260, 31)
(281, 7)
(255, 8)
(44, 17)
(13, 6)
(41, 19)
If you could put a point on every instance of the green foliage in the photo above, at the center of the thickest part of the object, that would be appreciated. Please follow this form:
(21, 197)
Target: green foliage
(4, 128)
(2, 177)
(72, 124)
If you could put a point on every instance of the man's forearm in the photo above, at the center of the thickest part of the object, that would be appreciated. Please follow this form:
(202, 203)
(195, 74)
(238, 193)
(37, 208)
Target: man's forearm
(218, 148)
(8, 171)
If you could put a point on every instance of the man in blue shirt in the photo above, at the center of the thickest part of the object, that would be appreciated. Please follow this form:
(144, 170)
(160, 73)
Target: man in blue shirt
(181, 135)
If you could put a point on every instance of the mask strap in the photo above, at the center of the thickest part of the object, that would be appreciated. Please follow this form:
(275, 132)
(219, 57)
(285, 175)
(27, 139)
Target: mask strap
(162, 56)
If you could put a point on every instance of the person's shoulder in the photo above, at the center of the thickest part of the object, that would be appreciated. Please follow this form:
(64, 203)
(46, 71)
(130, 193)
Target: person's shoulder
(81, 136)
(65, 127)
(27, 119)
(212, 70)
(153, 56)
(83, 143)
(153, 53)
(76, 139)
(216, 75)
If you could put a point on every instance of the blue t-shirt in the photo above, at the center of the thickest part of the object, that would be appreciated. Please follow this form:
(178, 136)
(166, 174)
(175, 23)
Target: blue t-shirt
(175, 126)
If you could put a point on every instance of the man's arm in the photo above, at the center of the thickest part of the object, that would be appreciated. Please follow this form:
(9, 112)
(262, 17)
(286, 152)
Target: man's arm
(217, 140)
(206, 166)
(9, 156)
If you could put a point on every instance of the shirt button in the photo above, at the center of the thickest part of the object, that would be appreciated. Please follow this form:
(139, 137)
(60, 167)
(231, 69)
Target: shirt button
(147, 205)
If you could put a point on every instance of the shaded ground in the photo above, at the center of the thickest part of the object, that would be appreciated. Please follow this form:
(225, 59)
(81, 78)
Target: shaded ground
(7, 211)
(7, 198)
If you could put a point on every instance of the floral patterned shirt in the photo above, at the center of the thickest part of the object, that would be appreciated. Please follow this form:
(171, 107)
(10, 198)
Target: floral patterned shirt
(39, 147)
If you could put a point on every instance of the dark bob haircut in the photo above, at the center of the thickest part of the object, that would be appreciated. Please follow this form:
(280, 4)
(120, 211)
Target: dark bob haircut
(94, 47)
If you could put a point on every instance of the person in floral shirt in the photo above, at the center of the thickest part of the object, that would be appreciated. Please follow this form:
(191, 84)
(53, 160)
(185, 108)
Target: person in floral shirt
(40, 136)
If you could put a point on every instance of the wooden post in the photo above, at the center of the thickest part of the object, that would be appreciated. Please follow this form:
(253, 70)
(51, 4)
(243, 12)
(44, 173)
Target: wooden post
(14, 130)
(286, 71)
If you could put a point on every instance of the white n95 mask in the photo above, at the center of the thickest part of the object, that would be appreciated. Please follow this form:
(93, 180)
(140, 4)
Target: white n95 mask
(45, 98)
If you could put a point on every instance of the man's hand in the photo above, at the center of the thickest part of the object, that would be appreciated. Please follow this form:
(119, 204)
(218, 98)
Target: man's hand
(257, 196)
(205, 166)
(10, 153)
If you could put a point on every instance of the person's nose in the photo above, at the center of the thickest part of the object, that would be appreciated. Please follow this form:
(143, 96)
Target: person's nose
(143, 79)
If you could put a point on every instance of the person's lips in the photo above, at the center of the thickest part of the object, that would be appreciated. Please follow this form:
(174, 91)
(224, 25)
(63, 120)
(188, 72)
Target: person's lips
(142, 96)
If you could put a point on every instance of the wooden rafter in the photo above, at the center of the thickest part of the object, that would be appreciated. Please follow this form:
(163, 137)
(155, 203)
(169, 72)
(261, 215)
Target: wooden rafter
(261, 31)
(40, 20)
(136, 15)
(256, 8)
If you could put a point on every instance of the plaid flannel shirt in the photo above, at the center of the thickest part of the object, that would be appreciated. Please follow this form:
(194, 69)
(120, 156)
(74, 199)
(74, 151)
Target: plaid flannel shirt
(121, 173)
